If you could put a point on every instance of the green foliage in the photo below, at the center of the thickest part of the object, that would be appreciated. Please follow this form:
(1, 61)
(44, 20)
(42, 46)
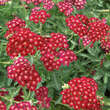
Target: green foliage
(88, 58)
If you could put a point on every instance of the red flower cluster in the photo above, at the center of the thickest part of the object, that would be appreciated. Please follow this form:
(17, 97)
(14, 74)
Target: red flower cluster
(89, 30)
(22, 42)
(3, 92)
(25, 74)
(19, 96)
(55, 52)
(81, 94)
(30, 1)
(2, 2)
(47, 4)
(2, 105)
(56, 41)
(14, 25)
(37, 16)
(79, 4)
(42, 97)
(65, 7)
(23, 106)
(105, 43)
(54, 61)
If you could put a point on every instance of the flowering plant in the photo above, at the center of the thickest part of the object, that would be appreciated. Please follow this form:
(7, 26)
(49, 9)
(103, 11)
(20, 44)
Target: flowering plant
(54, 54)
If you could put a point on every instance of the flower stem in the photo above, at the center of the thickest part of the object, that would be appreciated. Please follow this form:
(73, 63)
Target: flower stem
(9, 100)
(81, 50)
(5, 63)
(61, 104)
(104, 11)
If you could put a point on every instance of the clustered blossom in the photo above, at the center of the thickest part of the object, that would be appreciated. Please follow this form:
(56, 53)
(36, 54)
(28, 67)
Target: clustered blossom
(25, 74)
(2, 2)
(22, 106)
(81, 94)
(42, 97)
(2, 105)
(54, 51)
(47, 4)
(79, 4)
(37, 16)
(3, 92)
(89, 30)
(52, 61)
(65, 7)
(14, 25)
(22, 42)
(105, 43)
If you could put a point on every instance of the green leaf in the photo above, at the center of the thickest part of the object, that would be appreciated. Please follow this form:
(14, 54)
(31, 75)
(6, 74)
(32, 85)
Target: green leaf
(107, 64)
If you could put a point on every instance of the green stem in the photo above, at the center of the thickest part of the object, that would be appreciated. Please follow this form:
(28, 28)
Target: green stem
(104, 11)
(61, 104)
(40, 28)
(9, 100)
(81, 50)
(6, 63)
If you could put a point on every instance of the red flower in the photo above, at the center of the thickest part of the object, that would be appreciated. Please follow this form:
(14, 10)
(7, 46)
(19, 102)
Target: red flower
(81, 94)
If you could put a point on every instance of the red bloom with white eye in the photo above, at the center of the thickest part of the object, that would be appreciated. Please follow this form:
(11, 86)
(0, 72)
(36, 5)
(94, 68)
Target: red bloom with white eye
(48, 4)
(42, 97)
(89, 30)
(56, 41)
(37, 16)
(25, 74)
(23, 42)
(79, 4)
(105, 43)
(81, 94)
(55, 52)
(3, 2)
(65, 7)
(13, 26)
(22, 106)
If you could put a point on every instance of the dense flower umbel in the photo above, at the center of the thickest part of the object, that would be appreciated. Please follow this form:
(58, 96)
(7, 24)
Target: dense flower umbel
(2, 2)
(2, 105)
(54, 61)
(25, 74)
(22, 42)
(55, 52)
(81, 94)
(42, 97)
(36, 2)
(56, 41)
(22, 106)
(79, 4)
(47, 4)
(65, 7)
(14, 25)
(105, 43)
(37, 16)
(89, 30)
